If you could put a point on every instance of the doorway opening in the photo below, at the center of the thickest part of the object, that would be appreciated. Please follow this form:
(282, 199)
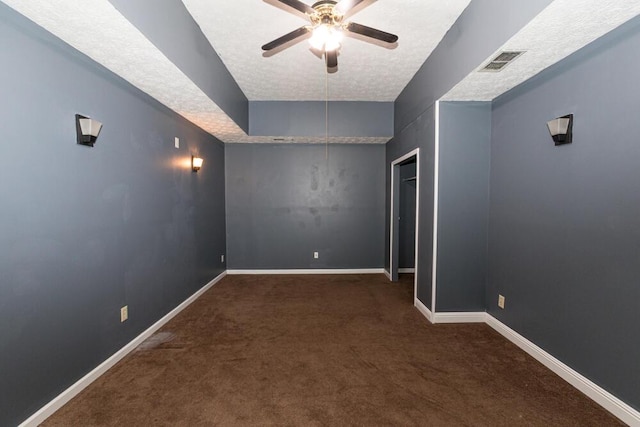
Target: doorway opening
(404, 217)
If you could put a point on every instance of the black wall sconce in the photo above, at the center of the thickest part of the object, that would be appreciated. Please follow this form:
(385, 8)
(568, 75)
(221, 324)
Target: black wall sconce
(196, 163)
(561, 129)
(87, 130)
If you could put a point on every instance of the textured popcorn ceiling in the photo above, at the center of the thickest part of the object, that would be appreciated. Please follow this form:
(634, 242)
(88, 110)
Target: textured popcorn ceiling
(97, 29)
(369, 72)
(561, 29)
(238, 28)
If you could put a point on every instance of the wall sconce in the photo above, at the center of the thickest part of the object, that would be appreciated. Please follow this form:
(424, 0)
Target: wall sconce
(87, 130)
(561, 129)
(196, 163)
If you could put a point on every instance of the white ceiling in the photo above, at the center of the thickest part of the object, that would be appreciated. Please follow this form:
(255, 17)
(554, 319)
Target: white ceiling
(564, 27)
(237, 29)
(97, 29)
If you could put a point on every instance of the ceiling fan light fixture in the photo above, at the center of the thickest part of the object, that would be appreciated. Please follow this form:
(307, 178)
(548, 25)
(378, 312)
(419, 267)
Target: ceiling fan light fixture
(326, 38)
(327, 28)
(334, 42)
(320, 34)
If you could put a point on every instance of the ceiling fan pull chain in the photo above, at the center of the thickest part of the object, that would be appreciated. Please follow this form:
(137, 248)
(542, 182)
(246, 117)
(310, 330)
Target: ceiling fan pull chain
(326, 114)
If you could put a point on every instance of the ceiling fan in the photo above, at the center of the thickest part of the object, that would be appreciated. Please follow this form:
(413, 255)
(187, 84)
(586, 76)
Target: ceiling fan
(327, 28)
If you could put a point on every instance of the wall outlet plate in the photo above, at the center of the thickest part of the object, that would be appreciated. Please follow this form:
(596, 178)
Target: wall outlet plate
(177, 142)
(501, 301)
(124, 313)
(221, 258)
(316, 255)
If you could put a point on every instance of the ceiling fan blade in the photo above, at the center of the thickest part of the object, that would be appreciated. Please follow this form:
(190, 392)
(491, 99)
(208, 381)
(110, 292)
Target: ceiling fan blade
(287, 38)
(332, 58)
(348, 8)
(363, 30)
(293, 6)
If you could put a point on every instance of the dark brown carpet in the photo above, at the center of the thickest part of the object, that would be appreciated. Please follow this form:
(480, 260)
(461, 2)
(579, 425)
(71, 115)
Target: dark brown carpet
(325, 350)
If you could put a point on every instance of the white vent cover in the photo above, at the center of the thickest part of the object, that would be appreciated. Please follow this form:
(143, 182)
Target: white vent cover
(502, 60)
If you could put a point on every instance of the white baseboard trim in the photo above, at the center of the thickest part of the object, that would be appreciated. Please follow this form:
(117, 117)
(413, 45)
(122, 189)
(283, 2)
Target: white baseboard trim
(599, 395)
(605, 399)
(58, 402)
(400, 271)
(464, 317)
(310, 271)
(423, 309)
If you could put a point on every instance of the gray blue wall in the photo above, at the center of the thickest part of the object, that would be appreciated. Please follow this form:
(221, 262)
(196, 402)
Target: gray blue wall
(407, 214)
(346, 119)
(286, 201)
(463, 205)
(481, 29)
(418, 134)
(564, 232)
(84, 231)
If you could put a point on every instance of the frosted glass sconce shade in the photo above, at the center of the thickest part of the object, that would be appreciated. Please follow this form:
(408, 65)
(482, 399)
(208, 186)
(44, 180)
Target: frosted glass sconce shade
(561, 129)
(196, 163)
(87, 130)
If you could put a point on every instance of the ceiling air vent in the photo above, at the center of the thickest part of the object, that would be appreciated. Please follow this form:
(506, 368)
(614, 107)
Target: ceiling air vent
(501, 61)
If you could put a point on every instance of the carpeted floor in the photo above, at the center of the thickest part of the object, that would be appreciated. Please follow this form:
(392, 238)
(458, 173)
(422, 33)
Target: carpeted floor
(325, 350)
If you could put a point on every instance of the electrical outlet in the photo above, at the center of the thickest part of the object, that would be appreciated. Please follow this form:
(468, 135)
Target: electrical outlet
(124, 313)
(221, 258)
(177, 142)
(316, 255)
(501, 301)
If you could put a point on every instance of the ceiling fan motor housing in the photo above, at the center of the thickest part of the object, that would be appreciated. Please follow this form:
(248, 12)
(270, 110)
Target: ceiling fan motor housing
(325, 13)
(324, 3)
